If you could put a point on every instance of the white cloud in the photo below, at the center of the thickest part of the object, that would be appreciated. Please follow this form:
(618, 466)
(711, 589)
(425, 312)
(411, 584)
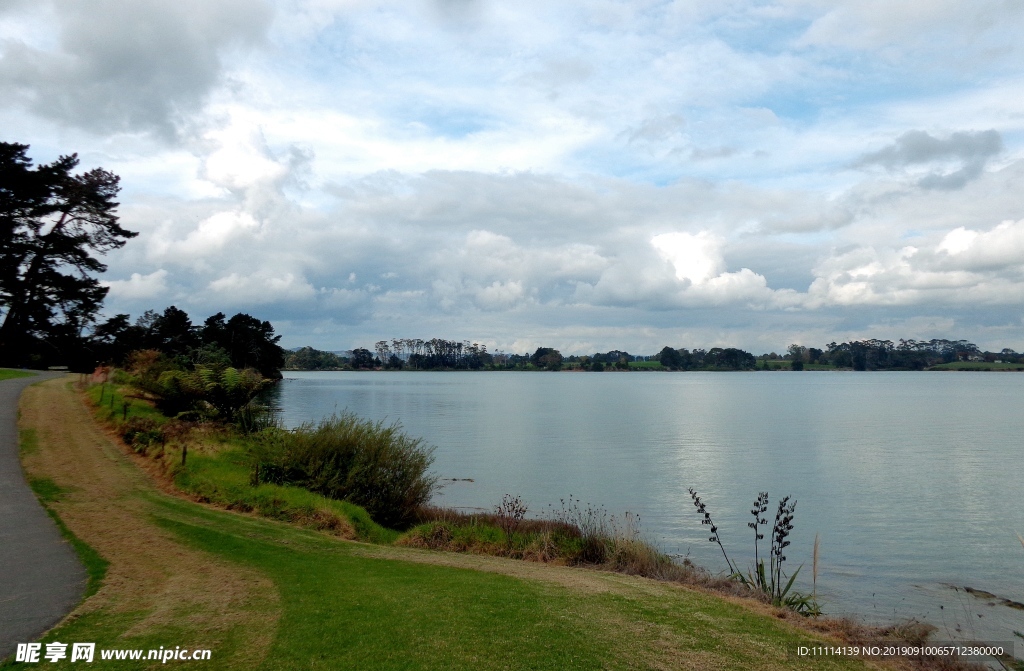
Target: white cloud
(258, 289)
(957, 240)
(138, 287)
(214, 233)
(696, 258)
(964, 267)
(873, 24)
(499, 295)
(241, 160)
(1001, 248)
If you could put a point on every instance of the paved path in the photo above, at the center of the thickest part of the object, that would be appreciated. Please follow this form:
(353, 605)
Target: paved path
(41, 578)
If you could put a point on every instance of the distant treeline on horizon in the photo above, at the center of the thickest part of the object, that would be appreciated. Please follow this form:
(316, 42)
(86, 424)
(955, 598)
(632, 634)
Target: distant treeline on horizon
(441, 354)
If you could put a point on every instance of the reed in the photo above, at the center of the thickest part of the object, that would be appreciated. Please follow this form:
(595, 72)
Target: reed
(814, 566)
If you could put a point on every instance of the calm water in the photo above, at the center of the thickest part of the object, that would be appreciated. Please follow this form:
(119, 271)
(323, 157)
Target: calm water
(913, 480)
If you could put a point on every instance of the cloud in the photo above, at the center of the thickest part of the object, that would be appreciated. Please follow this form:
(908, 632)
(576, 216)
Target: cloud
(498, 295)
(138, 287)
(655, 129)
(1000, 248)
(917, 147)
(967, 151)
(710, 154)
(685, 270)
(696, 258)
(258, 288)
(242, 159)
(875, 24)
(964, 267)
(129, 67)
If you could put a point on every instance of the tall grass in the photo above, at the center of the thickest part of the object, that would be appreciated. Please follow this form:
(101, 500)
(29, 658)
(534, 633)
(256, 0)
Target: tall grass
(343, 457)
(574, 534)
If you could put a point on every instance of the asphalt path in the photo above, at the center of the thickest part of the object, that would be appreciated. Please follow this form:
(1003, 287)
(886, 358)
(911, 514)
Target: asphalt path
(41, 578)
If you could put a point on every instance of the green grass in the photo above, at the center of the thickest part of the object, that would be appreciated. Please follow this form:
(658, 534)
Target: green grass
(978, 366)
(342, 609)
(28, 441)
(223, 478)
(222, 475)
(110, 401)
(646, 365)
(49, 492)
(8, 374)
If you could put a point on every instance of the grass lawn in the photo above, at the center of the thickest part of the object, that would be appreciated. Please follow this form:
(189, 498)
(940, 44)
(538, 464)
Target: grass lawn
(9, 373)
(646, 365)
(263, 594)
(978, 365)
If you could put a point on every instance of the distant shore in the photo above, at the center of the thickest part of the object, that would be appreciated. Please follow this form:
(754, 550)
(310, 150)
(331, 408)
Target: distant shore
(653, 366)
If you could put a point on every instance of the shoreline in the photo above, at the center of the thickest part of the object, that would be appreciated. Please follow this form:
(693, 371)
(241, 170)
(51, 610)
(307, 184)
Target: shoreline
(584, 588)
(784, 615)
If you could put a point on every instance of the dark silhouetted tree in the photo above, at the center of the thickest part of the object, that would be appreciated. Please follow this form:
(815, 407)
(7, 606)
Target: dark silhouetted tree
(670, 358)
(361, 358)
(53, 225)
(249, 342)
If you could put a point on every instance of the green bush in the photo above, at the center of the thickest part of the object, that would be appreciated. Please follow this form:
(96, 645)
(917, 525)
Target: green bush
(343, 457)
(207, 391)
(141, 432)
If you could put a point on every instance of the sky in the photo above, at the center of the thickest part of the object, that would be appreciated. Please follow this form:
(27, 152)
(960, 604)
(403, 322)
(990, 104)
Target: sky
(585, 175)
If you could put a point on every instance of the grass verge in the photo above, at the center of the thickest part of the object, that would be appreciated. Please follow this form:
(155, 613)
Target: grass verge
(10, 373)
(49, 492)
(216, 468)
(978, 366)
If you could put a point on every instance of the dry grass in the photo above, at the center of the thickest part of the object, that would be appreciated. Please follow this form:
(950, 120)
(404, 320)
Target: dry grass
(164, 584)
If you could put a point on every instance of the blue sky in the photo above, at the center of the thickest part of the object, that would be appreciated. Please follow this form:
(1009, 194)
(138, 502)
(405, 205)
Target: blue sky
(583, 175)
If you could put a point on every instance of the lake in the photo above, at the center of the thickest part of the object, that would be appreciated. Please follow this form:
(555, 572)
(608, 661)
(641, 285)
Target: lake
(912, 480)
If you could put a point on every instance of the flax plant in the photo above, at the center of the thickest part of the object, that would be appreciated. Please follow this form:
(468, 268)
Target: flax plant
(780, 531)
(760, 507)
(767, 575)
(714, 538)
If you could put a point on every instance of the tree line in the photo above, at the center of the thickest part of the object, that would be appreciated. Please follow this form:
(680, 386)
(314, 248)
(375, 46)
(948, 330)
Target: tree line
(440, 354)
(241, 342)
(874, 354)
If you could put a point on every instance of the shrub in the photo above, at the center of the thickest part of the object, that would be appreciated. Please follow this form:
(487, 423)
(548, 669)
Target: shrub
(509, 513)
(595, 531)
(141, 432)
(371, 464)
(575, 534)
(208, 391)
